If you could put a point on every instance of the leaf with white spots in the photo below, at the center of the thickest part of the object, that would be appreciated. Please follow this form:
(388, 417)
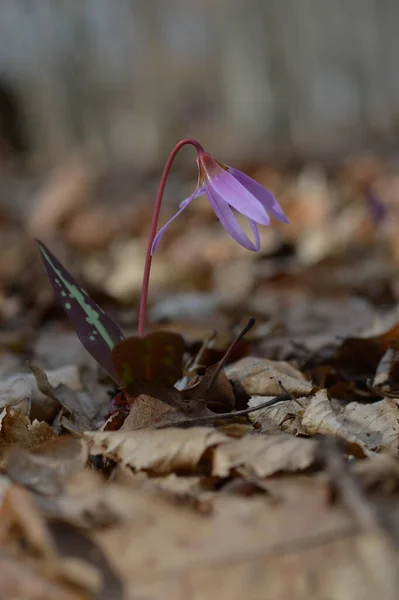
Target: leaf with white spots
(95, 329)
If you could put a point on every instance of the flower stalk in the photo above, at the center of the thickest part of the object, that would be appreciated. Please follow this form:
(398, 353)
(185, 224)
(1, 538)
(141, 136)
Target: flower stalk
(154, 227)
(228, 191)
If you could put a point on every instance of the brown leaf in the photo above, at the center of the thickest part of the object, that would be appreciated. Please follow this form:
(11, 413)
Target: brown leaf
(87, 501)
(38, 388)
(265, 455)
(16, 428)
(46, 469)
(216, 392)
(183, 489)
(365, 428)
(146, 411)
(24, 530)
(250, 548)
(284, 416)
(150, 404)
(260, 377)
(158, 451)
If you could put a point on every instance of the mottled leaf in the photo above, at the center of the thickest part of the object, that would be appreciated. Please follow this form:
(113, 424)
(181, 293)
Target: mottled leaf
(155, 358)
(95, 329)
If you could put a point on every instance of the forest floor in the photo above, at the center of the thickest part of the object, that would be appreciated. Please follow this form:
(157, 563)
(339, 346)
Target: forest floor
(274, 475)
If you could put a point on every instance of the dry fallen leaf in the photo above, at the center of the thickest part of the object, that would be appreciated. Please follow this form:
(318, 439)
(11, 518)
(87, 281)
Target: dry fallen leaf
(23, 527)
(146, 411)
(265, 455)
(246, 547)
(285, 416)
(158, 451)
(245, 509)
(16, 428)
(47, 468)
(30, 390)
(260, 377)
(366, 429)
(87, 501)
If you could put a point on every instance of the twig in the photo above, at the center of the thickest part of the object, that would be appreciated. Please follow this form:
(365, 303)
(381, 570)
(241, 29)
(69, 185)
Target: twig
(223, 361)
(285, 391)
(195, 362)
(209, 419)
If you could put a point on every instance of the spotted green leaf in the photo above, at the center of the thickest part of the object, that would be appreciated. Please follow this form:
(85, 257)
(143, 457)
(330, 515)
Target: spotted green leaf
(95, 329)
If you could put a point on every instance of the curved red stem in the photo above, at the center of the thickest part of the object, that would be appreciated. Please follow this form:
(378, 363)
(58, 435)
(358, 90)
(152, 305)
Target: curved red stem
(154, 227)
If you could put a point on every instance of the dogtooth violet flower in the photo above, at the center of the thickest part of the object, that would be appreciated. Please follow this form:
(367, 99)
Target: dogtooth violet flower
(230, 190)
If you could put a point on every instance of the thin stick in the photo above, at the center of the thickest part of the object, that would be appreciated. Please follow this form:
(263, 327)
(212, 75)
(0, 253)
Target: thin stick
(220, 417)
(154, 227)
(285, 391)
(223, 361)
(195, 362)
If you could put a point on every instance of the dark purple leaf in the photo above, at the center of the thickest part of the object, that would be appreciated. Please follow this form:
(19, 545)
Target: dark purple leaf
(95, 329)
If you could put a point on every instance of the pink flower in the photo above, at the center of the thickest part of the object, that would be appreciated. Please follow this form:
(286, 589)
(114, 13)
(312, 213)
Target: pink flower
(227, 190)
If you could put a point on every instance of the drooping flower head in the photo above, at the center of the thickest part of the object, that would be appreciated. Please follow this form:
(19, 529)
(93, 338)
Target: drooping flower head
(230, 190)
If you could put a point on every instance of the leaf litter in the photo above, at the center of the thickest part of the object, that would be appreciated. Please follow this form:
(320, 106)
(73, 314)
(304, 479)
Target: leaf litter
(213, 477)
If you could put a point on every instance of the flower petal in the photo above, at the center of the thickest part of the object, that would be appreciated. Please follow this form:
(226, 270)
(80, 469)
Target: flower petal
(200, 191)
(265, 197)
(255, 231)
(230, 190)
(182, 206)
(230, 223)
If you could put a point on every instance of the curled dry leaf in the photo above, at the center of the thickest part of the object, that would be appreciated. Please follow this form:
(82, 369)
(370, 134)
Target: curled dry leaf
(265, 455)
(260, 377)
(33, 393)
(158, 451)
(213, 388)
(146, 411)
(379, 420)
(284, 416)
(366, 429)
(87, 411)
(67, 393)
(16, 428)
(151, 404)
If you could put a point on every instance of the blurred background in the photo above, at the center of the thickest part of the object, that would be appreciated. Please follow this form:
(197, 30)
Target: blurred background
(302, 95)
(250, 79)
